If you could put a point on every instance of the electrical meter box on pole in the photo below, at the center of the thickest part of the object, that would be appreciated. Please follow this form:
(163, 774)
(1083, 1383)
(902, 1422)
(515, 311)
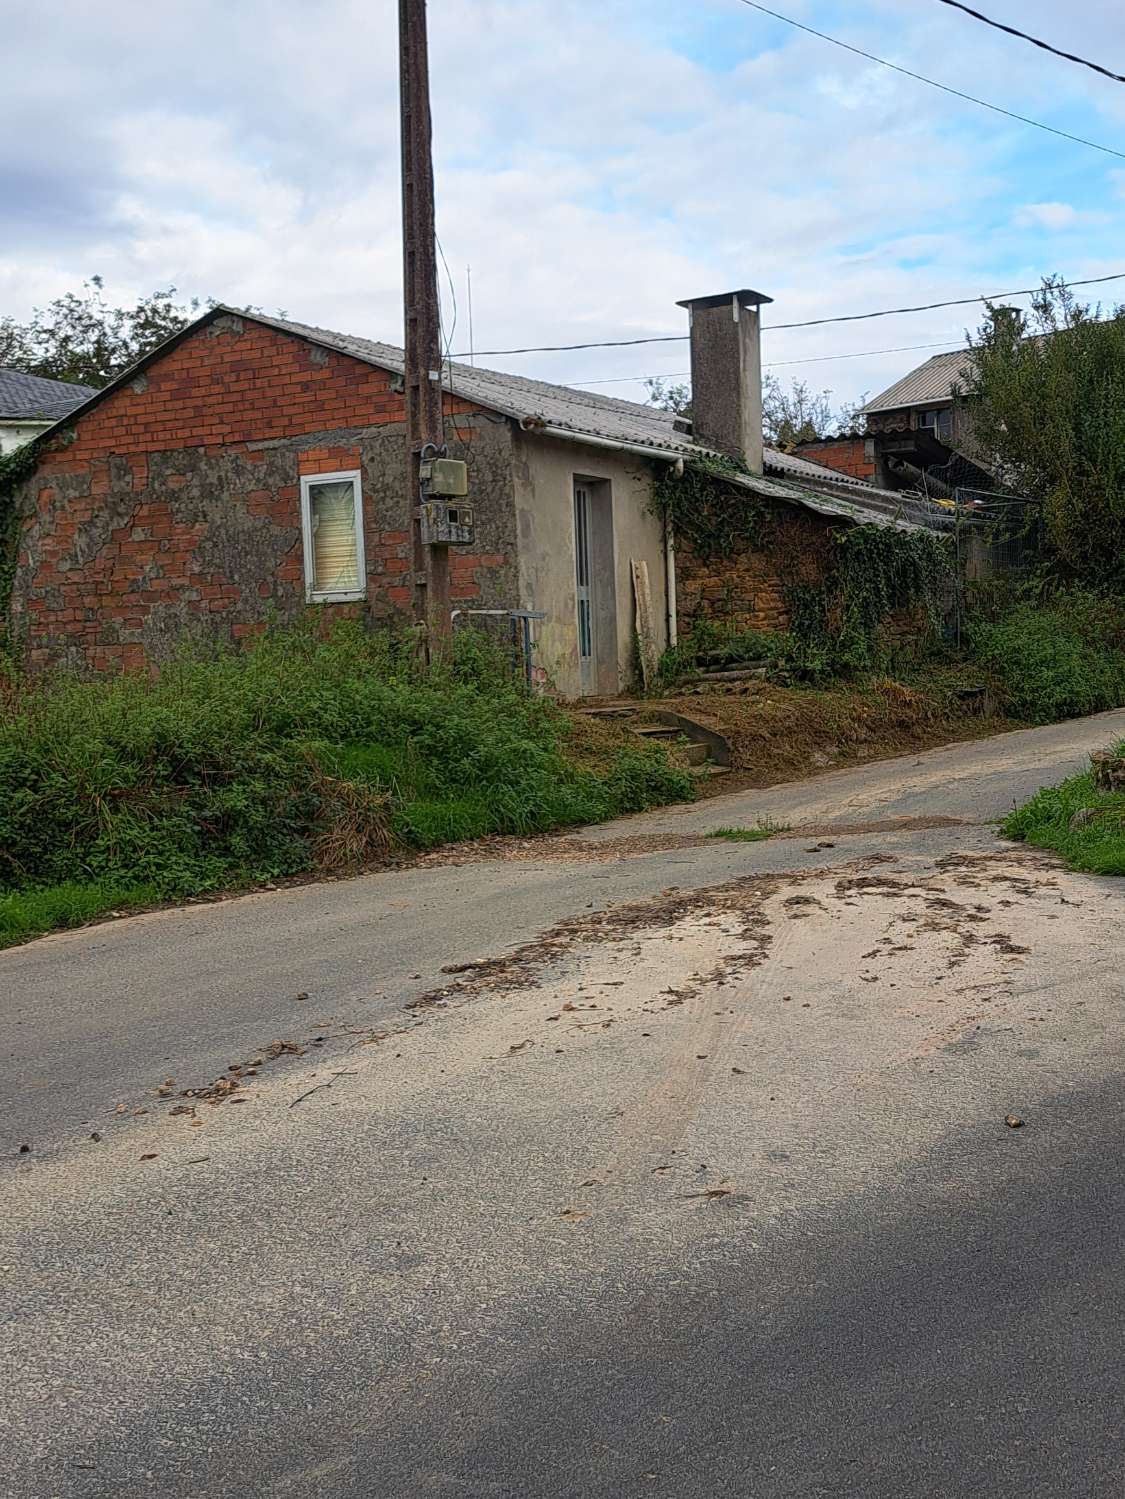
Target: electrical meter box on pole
(446, 519)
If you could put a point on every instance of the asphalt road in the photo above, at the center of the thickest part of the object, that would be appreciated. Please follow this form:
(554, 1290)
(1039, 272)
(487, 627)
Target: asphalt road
(692, 1179)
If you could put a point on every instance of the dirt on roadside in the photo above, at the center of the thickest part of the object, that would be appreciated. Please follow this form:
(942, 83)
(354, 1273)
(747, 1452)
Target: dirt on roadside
(786, 733)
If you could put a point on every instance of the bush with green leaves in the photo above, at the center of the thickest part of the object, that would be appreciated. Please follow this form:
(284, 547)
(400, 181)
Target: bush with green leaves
(1086, 826)
(244, 766)
(1046, 392)
(1061, 655)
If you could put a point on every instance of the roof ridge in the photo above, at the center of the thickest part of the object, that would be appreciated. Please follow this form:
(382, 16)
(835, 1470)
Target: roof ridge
(652, 426)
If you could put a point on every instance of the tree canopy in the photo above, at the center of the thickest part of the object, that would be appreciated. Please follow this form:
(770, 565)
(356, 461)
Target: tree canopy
(81, 338)
(1049, 393)
(790, 414)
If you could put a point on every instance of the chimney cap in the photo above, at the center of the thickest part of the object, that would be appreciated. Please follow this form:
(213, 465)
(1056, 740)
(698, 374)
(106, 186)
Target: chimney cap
(745, 296)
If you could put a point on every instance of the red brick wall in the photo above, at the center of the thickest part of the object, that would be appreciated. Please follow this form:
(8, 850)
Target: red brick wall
(237, 381)
(848, 455)
(175, 508)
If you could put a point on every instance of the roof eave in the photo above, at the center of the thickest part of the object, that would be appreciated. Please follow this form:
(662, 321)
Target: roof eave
(927, 405)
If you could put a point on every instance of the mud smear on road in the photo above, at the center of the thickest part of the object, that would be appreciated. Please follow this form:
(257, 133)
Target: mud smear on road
(569, 848)
(927, 920)
(746, 898)
(860, 829)
(525, 966)
(713, 939)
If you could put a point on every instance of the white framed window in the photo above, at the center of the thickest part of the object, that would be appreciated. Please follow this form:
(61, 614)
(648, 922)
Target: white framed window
(940, 423)
(332, 526)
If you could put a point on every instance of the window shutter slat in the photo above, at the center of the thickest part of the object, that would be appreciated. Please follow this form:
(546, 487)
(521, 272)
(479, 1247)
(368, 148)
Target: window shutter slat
(335, 553)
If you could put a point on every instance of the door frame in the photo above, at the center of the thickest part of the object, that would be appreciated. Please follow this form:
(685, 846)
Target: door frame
(585, 602)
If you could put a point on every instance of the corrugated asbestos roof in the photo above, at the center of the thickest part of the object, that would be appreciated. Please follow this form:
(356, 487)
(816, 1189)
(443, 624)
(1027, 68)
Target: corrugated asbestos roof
(586, 414)
(29, 398)
(930, 384)
(580, 413)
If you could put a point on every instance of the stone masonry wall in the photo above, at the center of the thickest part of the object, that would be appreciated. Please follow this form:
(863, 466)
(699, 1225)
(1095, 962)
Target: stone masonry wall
(746, 588)
(172, 510)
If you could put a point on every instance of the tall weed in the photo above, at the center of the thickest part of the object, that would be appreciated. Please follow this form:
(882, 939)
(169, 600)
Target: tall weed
(1060, 657)
(302, 752)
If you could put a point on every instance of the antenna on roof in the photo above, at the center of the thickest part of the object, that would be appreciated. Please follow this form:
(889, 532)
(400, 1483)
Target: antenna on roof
(469, 285)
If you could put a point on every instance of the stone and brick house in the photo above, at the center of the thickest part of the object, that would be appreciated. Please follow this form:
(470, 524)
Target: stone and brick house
(918, 434)
(251, 469)
(848, 453)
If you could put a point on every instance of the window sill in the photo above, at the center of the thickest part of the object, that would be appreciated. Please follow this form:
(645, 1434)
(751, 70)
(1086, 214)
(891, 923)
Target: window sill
(356, 597)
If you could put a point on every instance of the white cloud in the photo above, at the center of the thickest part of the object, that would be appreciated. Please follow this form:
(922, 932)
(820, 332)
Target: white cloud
(594, 164)
(1055, 216)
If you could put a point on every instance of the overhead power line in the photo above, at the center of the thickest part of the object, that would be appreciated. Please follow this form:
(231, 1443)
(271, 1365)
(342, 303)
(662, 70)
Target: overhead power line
(1034, 40)
(860, 354)
(861, 317)
(932, 82)
(819, 322)
(771, 364)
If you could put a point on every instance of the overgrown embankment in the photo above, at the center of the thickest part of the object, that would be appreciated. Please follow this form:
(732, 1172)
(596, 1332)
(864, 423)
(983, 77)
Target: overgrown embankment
(1077, 820)
(300, 754)
(1054, 653)
(1039, 651)
(779, 733)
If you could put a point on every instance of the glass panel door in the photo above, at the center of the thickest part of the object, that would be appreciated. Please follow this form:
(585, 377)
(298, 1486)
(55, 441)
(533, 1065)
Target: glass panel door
(582, 581)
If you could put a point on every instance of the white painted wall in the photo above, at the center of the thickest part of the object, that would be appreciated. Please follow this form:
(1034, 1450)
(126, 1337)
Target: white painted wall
(545, 469)
(13, 435)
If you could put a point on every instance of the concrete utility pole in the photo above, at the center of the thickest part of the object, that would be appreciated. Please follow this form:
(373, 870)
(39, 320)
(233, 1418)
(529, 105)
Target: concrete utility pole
(421, 315)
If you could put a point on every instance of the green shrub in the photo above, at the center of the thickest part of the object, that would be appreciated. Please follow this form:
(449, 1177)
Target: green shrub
(1096, 845)
(1061, 657)
(303, 751)
(717, 644)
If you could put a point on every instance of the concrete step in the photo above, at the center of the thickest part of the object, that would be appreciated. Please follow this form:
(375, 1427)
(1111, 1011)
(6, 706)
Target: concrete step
(718, 749)
(734, 674)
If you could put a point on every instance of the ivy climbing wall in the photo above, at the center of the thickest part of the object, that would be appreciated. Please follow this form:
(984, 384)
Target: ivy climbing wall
(850, 592)
(746, 583)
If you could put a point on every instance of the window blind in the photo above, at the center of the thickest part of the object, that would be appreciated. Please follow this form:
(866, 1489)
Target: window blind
(332, 513)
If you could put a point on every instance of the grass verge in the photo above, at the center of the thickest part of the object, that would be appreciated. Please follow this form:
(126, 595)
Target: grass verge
(1086, 826)
(756, 834)
(305, 753)
(30, 913)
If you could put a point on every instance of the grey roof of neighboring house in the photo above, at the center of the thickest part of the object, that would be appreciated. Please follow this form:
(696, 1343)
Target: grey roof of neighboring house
(615, 420)
(930, 384)
(29, 398)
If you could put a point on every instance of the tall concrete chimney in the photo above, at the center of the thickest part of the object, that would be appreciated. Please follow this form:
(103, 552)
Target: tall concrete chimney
(726, 374)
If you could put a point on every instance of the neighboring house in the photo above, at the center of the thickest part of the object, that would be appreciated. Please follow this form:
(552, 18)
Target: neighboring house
(921, 434)
(30, 405)
(250, 468)
(849, 453)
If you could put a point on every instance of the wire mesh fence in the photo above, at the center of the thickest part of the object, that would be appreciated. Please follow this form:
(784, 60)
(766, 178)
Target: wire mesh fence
(996, 535)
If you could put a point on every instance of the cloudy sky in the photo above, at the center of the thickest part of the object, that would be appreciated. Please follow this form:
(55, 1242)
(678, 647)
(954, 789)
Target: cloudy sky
(596, 161)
